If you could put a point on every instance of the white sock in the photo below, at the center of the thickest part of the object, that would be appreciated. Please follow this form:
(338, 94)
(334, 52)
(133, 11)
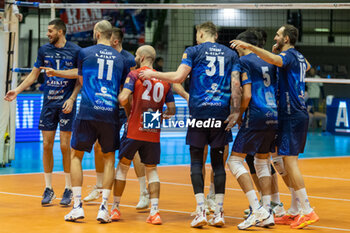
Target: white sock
(99, 179)
(219, 200)
(212, 189)
(76, 196)
(116, 200)
(154, 206)
(48, 180)
(266, 199)
(304, 201)
(105, 196)
(276, 198)
(142, 182)
(253, 199)
(293, 210)
(200, 201)
(68, 181)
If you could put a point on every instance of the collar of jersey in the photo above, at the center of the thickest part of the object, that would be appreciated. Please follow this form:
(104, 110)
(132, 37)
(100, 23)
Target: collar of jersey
(145, 68)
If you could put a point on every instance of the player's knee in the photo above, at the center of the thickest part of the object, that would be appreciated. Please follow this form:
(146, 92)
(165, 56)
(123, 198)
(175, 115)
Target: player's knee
(250, 162)
(122, 171)
(235, 164)
(216, 156)
(125, 161)
(48, 144)
(64, 145)
(196, 160)
(152, 174)
(262, 167)
(279, 165)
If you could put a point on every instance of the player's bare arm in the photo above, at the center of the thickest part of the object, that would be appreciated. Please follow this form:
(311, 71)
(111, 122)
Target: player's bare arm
(173, 77)
(123, 99)
(170, 110)
(69, 74)
(179, 89)
(32, 77)
(69, 103)
(246, 97)
(235, 100)
(262, 53)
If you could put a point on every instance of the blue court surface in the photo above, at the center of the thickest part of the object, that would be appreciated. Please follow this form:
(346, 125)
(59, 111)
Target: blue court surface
(174, 151)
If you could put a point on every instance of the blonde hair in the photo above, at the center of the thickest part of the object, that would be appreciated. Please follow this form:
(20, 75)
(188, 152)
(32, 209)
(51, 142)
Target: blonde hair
(105, 28)
(207, 27)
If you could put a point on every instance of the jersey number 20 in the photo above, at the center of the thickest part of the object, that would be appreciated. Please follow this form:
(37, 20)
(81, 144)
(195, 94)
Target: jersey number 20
(158, 91)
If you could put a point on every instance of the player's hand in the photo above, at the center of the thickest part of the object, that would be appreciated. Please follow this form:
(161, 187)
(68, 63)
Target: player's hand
(275, 49)
(147, 74)
(231, 121)
(11, 95)
(49, 71)
(68, 106)
(239, 44)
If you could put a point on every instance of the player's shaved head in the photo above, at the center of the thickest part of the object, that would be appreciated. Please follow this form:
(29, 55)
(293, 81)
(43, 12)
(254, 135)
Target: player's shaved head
(105, 28)
(148, 52)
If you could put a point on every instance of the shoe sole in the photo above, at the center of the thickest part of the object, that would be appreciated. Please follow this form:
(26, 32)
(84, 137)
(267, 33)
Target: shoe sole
(142, 208)
(45, 204)
(101, 220)
(73, 220)
(88, 200)
(304, 224)
(218, 224)
(200, 224)
(65, 204)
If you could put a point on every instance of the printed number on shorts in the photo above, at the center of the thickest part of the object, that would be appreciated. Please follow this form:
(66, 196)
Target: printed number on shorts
(212, 68)
(158, 91)
(101, 66)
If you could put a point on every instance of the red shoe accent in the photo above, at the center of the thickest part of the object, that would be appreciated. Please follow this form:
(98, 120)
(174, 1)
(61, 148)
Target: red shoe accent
(115, 214)
(155, 219)
(305, 220)
(286, 219)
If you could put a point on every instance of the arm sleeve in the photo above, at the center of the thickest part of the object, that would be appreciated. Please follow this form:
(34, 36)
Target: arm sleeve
(40, 58)
(286, 58)
(187, 57)
(169, 96)
(130, 81)
(245, 69)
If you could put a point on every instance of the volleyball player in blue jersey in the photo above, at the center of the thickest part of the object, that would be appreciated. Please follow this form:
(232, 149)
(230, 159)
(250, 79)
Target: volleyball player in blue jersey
(59, 102)
(292, 115)
(100, 69)
(214, 82)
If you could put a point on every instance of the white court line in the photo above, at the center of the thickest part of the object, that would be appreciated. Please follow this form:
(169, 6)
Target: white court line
(172, 211)
(327, 178)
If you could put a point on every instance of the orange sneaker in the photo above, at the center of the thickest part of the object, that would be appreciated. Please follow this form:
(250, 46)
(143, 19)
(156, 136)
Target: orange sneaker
(154, 219)
(115, 213)
(286, 219)
(304, 220)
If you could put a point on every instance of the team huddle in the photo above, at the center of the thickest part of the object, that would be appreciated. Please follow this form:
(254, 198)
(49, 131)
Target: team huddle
(260, 91)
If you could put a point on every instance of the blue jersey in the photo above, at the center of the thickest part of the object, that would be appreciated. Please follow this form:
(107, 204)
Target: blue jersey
(101, 67)
(262, 77)
(57, 90)
(210, 84)
(291, 83)
(129, 63)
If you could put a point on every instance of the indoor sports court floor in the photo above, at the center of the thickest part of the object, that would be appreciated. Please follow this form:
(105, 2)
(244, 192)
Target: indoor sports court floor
(324, 165)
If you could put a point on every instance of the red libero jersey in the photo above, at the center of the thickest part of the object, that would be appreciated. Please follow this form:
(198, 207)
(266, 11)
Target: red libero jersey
(148, 96)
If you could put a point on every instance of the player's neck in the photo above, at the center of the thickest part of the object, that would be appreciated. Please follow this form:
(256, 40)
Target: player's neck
(119, 48)
(104, 42)
(61, 42)
(148, 64)
(286, 47)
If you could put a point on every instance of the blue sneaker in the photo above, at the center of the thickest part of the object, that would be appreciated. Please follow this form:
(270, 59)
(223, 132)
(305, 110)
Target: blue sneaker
(67, 197)
(48, 196)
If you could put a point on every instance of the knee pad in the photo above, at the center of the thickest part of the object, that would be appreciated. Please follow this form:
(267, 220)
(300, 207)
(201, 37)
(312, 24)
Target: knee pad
(235, 164)
(262, 167)
(152, 175)
(250, 161)
(279, 165)
(217, 161)
(122, 171)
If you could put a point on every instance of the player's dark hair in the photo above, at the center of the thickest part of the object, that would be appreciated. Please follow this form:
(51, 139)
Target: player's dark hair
(118, 33)
(207, 27)
(292, 32)
(262, 37)
(59, 25)
(249, 36)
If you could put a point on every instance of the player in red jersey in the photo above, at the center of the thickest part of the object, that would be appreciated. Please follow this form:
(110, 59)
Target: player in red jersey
(143, 130)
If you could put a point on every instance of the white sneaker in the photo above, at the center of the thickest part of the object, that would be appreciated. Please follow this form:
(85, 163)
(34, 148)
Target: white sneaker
(278, 209)
(200, 219)
(143, 202)
(211, 202)
(75, 214)
(103, 215)
(93, 195)
(217, 220)
(269, 222)
(255, 217)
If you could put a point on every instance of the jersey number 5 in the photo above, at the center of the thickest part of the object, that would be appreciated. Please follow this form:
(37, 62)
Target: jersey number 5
(158, 91)
(101, 66)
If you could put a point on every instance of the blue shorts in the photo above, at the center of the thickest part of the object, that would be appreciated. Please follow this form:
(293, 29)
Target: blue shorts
(214, 137)
(51, 116)
(252, 141)
(86, 132)
(292, 133)
(149, 151)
